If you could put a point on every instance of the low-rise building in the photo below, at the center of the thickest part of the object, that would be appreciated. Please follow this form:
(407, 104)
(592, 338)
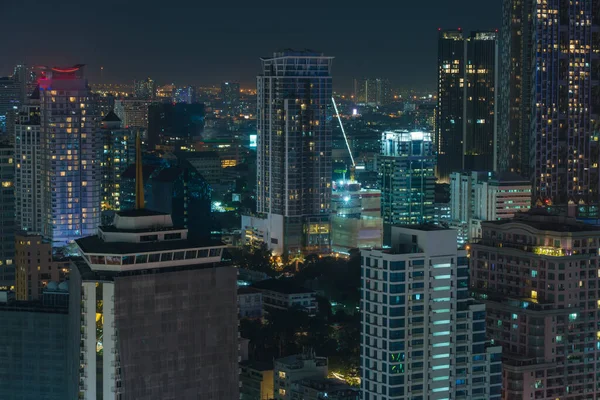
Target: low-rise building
(291, 369)
(323, 389)
(256, 380)
(250, 304)
(279, 294)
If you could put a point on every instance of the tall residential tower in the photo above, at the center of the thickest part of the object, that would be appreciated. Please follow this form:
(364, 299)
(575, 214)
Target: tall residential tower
(294, 150)
(71, 156)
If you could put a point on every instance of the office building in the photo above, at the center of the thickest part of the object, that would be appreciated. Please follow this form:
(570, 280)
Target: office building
(208, 163)
(145, 89)
(149, 302)
(36, 266)
(34, 343)
(118, 153)
(133, 113)
(294, 150)
(281, 295)
(372, 92)
(174, 127)
(250, 303)
(10, 100)
(230, 93)
(28, 169)
(71, 156)
(407, 179)
(537, 275)
(291, 369)
(485, 196)
(550, 93)
(424, 337)
(256, 380)
(467, 125)
(7, 222)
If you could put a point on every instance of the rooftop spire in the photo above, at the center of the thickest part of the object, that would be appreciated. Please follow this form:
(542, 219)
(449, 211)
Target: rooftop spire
(139, 174)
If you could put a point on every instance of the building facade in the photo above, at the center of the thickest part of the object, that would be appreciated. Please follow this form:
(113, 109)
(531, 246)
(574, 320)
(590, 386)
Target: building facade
(291, 369)
(407, 179)
(230, 93)
(71, 156)
(485, 196)
(256, 380)
(294, 150)
(174, 127)
(145, 89)
(8, 221)
(537, 275)
(34, 343)
(28, 168)
(36, 266)
(280, 295)
(147, 300)
(424, 337)
(467, 123)
(118, 153)
(373, 92)
(555, 104)
(133, 113)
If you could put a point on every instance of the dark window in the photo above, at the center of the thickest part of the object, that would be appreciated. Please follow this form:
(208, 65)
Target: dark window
(172, 236)
(149, 238)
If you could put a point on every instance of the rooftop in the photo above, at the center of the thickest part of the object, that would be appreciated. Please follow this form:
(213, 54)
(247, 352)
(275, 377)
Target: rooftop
(298, 358)
(95, 245)
(247, 290)
(540, 219)
(139, 213)
(257, 365)
(111, 117)
(280, 286)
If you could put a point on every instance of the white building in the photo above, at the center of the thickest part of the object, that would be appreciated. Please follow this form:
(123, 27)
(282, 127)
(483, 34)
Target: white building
(424, 337)
(133, 112)
(291, 369)
(278, 294)
(485, 196)
(28, 167)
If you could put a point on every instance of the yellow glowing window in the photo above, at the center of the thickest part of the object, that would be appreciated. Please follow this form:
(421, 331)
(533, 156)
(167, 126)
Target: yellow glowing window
(7, 184)
(282, 374)
(63, 173)
(534, 294)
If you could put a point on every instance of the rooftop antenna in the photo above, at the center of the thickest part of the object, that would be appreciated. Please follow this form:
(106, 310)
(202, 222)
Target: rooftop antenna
(353, 166)
(139, 174)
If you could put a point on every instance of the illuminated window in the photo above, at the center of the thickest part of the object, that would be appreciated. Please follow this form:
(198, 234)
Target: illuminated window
(534, 294)
(282, 374)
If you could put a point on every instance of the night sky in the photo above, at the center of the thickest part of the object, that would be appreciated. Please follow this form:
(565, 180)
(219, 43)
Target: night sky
(190, 42)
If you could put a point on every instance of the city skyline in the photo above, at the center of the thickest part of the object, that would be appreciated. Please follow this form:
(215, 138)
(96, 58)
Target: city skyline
(397, 43)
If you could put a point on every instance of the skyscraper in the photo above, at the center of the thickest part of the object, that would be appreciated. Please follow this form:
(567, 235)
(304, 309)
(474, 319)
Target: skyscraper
(373, 92)
(555, 102)
(407, 179)
(117, 154)
(294, 150)
(538, 276)
(424, 337)
(133, 112)
(28, 172)
(71, 156)
(230, 93)
(467, 123)
(145, 89)
(153, 314)
(450, 113)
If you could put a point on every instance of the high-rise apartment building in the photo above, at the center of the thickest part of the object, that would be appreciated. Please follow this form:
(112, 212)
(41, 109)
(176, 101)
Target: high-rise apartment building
(485, 196)
(148, 302)
(294, 150)
(10, 100)
(117, 154)
(230, 93)
(175, 127)
(71, 156)
(551, 99)
(538, 276)
(133, 113)
(424, 337)
(7, 222)
(145, 89)
(407, 179)
(28, 167)
(467, 125)
(373, 92)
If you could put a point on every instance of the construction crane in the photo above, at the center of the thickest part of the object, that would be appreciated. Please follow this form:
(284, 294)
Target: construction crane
(353, 165)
